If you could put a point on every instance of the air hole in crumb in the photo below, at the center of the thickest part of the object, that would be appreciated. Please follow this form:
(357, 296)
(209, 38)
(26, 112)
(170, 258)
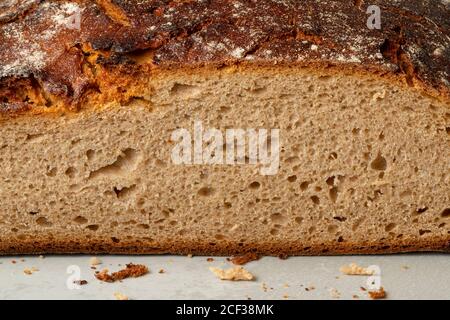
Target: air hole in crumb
(80, 220)
(254, 185)
(70, 172)
(356, 131)
(278, 218)
(422, 232)
(92, 227)
(33, 213)
(298, 220)
(219, 237)
(124, 192)
(315, 199)
(332, 156)
(340, 219)
(445, 213)
(390, 227)
(42, 221)
(274, 232)
(330, 181)
(332, 228)
(205, 192)
(340, 239)
(52, 172)
(115, 240)
(304, 185)
(421, 210)
(90, 154)
(292, 178)
(379, 163)
(333, 194)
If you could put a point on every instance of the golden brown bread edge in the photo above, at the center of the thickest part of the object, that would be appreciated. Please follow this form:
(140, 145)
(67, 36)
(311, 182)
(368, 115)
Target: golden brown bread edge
(122, 44)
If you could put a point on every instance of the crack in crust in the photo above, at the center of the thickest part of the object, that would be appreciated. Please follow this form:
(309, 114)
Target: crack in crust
(68, 65)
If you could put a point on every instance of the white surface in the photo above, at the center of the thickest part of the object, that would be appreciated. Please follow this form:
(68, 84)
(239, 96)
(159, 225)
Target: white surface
(418, 276)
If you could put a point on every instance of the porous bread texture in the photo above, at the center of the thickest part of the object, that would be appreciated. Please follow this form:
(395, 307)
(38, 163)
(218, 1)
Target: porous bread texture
(364, 168)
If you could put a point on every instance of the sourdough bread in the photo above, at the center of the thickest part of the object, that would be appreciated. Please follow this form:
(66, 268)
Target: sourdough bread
(117, 121)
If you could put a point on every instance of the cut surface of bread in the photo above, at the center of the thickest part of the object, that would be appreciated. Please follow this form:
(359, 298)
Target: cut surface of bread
(363, 168)
(274, 127)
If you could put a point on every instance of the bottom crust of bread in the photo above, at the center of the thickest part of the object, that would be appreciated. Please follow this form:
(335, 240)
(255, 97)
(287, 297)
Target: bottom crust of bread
(222, 249)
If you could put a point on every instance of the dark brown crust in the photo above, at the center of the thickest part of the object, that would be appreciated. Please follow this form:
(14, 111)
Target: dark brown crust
(281, 249)
(65, 65)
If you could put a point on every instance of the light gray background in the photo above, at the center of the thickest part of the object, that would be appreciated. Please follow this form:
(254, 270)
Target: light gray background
(412, 276)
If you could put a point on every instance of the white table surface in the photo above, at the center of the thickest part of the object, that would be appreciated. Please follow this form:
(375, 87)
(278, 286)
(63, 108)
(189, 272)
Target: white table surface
(411, 276)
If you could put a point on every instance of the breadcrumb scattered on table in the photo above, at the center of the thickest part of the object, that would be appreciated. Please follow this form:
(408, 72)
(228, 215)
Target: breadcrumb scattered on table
(94, 261)
(378, 294)
(30, 271)
(131, 271)
(120, 296)
(354, 270)
(233, 274)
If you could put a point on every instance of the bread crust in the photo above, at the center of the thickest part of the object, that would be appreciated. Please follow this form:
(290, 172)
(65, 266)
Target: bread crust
(222, 248)
(45, 63)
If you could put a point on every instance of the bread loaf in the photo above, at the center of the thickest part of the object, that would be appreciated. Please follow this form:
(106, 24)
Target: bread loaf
(279, 127)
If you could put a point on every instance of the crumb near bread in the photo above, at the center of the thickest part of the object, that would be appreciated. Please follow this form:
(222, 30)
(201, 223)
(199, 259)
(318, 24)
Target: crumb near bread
(354, 269)
(232, 274)
(94, 261)
(120, 296)
(377, 294)
(131, 271)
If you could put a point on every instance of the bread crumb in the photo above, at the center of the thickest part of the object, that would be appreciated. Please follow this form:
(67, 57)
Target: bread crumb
(29, 271)
(80, 282)
(354, 270)
(41, 257)
(131, 271)
(190, 255)
(244, 259)
(233, 274)
(355, 296)
(120, 296)
(378, 294)
(210, 259)
(285, 296)
(405, 267)
(94, 261)
(334, 293)
(310, 288)
(161, 271)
